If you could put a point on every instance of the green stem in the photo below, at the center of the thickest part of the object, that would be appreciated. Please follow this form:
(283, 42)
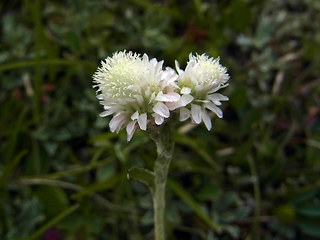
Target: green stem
(165, 147)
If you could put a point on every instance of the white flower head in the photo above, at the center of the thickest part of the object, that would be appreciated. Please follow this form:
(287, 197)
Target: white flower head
(134, 90)
(198, 85)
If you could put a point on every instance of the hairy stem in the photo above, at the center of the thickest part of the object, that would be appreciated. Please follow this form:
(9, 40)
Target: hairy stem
(165, 147)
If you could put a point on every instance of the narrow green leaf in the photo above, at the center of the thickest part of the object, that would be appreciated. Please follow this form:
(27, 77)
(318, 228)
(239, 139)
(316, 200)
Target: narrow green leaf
(310, 211)
(143, 175)
(75, 171)
(308, 195)
(185, 196)
(97, 187)
(53, 199)
(310, 227)
(9, 168)
(14, 136)
(48, 62)
(53, 222)
(192, 143)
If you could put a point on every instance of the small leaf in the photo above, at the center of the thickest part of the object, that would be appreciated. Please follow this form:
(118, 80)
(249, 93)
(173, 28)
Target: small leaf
(143, 175)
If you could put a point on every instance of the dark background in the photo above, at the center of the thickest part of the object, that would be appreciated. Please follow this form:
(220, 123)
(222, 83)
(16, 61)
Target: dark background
(63, 175)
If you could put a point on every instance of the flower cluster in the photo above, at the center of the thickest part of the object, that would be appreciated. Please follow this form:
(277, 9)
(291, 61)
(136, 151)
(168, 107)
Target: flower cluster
(138, 92)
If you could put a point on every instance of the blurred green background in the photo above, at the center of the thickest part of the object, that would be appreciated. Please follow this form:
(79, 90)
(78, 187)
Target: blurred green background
(63, 175)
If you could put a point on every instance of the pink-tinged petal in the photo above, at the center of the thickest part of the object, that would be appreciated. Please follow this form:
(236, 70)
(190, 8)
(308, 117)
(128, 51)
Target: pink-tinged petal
(168, 97)
(214, 109)
(117, 122)
(185, 90)
(169, 89)
(135, 116)
(173, 105)
(158, 119)
(184, 114)
(142, 121)
(196, 113)
(185, 100)
(206, 119)
(161, 109)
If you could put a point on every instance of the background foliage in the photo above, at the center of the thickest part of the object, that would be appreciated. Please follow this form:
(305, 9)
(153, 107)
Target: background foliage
(63, 175)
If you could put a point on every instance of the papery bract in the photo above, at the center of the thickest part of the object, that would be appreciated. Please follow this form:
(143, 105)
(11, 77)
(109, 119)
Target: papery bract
(134, 89)
(198, 84)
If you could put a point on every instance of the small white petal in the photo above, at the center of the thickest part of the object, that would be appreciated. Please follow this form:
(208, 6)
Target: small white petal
(190, 65)
(142, 121)
(135, 116)
(105, 113)
(158, 119)
(184, 114)
(219, 87)
(214, 109)
(178, 67)
(217, 97)
(129, 135)
(196, 113)
(161, 109)
(185, 99)
(185, 90)
(153, 61)
(131, 127)
(145, 57)
(116, 123)
(108, 112)
(168, 97)
(206, 119)
(100, 97)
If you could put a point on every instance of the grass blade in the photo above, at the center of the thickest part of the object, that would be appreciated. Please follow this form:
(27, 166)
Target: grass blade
(185, 197)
